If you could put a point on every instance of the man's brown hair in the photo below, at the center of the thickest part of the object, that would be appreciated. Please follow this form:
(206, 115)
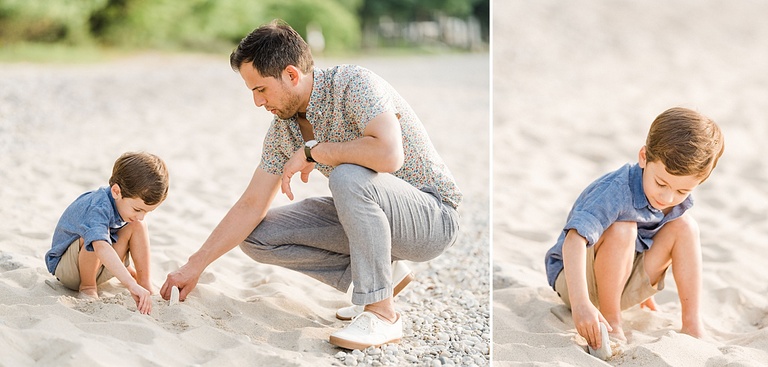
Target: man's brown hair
(141, 175)
(271, 48)
(686, 142)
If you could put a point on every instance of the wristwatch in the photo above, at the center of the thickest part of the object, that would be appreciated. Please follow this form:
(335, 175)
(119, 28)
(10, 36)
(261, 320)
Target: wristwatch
(308, 150)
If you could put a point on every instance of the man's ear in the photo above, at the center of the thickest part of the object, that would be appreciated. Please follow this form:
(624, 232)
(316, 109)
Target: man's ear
(115, 191)
(642, 157)
(292, 74)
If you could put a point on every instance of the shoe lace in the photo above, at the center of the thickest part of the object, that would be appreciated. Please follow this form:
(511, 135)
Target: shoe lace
(365, 321)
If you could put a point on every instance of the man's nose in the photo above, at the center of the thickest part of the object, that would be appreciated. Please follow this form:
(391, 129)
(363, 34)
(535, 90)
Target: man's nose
(258, 100)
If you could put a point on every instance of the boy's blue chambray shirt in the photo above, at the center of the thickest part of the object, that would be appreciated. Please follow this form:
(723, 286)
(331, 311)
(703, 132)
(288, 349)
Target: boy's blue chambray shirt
(92, 216)
(615, 197)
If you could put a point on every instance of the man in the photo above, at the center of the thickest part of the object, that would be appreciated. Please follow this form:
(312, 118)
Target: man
(392, 196)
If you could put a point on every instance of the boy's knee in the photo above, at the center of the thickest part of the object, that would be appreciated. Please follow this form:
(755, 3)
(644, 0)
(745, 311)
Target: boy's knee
(683, 226)
(136, 227)
(622, 231)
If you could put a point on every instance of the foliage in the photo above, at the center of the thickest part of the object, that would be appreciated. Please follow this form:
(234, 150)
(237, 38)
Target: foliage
(196, 24)
(206, 24)
(339, 26)
(408, 10)
(47, 21)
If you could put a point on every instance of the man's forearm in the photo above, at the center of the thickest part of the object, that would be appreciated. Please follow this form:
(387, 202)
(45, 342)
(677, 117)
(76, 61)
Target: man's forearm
(366, 152)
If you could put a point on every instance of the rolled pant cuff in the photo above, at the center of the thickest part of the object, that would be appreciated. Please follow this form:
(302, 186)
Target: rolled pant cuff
(371, 297)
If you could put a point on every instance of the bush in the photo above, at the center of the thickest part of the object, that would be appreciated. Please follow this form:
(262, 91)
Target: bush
(195, 24)
(47, 21)
(210, 25)
(339, 24)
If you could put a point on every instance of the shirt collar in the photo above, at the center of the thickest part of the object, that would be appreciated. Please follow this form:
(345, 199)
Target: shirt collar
(108, 192)
(639, 199)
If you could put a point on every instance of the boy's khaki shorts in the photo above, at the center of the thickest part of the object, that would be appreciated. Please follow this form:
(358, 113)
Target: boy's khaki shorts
(68, 270)
(637, 289)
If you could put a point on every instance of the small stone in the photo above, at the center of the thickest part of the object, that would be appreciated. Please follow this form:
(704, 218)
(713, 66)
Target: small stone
(174, 296)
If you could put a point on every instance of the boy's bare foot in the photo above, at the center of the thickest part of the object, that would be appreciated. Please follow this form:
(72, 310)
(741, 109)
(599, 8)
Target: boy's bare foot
(617, 333)
(696, 331)
(88, 292)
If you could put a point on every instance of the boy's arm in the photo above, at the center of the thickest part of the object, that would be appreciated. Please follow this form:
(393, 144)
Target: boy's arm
(586, 317)
(239, 222)
(112, 262)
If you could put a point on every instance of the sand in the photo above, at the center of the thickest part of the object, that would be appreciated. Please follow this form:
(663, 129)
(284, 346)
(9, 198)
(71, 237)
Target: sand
(62, 127)
(576, 86)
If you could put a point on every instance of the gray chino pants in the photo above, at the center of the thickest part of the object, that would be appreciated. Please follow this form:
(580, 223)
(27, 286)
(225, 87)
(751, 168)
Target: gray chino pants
(352, 238)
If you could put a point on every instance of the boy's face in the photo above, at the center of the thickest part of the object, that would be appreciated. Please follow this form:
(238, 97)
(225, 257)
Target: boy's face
(276, 95)
(131, 209)
(663, 189)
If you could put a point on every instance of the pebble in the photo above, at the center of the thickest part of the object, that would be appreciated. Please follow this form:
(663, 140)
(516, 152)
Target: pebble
(445, 310)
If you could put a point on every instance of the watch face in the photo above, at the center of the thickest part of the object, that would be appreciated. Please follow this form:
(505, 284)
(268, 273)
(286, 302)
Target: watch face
(310, 144)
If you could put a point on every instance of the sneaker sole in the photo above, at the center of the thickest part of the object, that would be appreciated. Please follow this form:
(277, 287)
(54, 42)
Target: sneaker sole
(348, 344)
(403, 283)
(399, 287)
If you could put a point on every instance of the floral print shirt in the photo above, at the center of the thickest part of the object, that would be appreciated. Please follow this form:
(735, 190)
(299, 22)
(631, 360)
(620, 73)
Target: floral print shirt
(344, 99)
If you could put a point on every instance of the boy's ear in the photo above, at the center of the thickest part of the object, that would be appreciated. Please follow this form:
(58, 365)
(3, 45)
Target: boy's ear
(115, 191)
(642, 157)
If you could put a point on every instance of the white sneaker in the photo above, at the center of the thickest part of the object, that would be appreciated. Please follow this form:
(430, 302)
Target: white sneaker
(401, 275)
(367, 330)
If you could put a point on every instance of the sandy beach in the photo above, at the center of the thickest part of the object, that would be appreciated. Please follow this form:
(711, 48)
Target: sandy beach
(576, 86)
(62, 127)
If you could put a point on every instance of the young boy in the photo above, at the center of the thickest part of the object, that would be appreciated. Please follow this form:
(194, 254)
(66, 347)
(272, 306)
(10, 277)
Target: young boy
(630, 225)
(101, 228)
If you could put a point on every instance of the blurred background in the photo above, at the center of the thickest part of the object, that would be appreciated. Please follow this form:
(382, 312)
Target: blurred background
(44, 30)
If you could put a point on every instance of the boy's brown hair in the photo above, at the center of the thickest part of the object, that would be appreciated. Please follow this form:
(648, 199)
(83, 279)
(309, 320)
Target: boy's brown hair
(141, 175)
(271, 48)
(686, 142)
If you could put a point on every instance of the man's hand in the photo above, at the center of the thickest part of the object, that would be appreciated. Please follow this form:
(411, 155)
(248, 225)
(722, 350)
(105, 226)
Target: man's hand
(297, 163)
(587, 319)
(185, 279)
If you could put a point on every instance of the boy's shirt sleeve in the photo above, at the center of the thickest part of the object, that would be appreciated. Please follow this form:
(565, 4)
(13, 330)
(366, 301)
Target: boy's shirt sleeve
(95, 226)
(596, 209)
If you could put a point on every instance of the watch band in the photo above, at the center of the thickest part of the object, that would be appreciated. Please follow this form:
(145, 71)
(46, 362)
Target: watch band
(308, 150)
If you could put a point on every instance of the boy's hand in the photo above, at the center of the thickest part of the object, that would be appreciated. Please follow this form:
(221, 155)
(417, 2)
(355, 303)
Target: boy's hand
(587, 319)
(297, 163)
(142, 298)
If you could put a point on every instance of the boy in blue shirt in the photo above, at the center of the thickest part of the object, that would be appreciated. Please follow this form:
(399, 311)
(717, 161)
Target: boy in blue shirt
(630, 225)
(97, 232)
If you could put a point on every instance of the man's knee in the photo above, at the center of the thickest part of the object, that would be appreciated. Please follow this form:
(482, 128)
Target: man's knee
(253, 249)
(349, 177)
